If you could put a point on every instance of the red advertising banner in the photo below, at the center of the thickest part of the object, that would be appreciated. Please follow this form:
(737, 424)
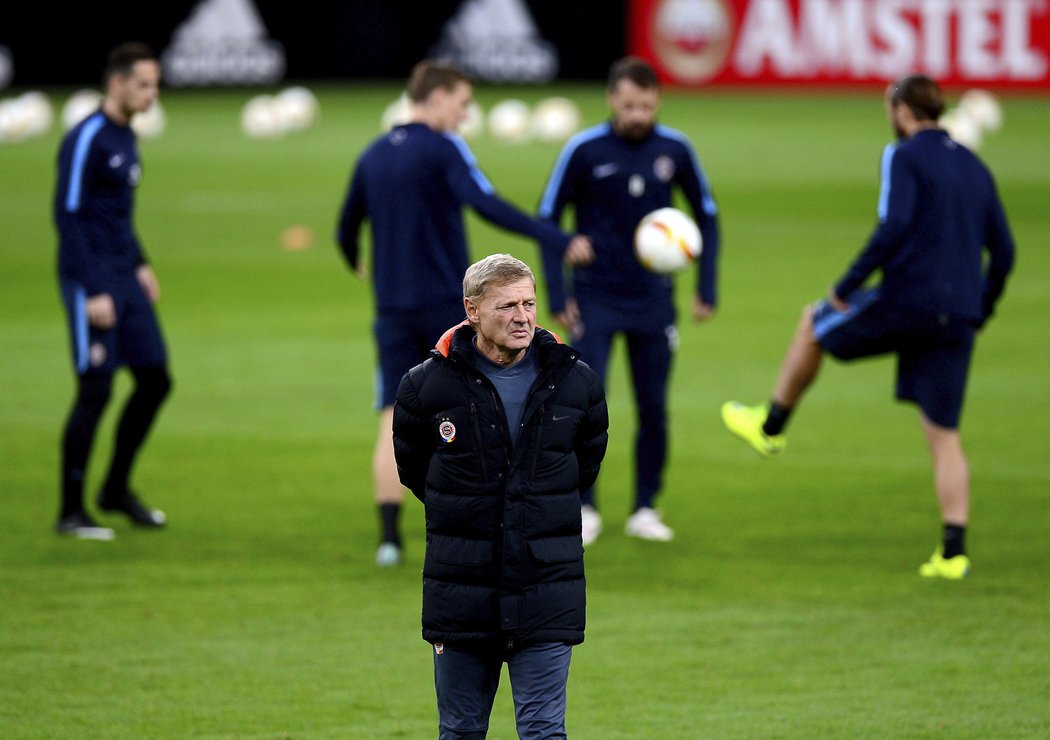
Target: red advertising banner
(991, 43)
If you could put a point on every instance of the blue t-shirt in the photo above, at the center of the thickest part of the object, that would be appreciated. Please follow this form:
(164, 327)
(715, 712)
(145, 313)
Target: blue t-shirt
(512, 384)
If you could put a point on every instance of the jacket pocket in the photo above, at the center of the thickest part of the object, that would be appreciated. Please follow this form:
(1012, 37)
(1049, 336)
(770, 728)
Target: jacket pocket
(551, 550)
(459, 551)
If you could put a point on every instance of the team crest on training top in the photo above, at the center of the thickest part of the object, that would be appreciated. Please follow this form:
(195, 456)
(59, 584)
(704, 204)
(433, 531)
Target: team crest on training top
(97, 354)
(447, 430)
(663, 168)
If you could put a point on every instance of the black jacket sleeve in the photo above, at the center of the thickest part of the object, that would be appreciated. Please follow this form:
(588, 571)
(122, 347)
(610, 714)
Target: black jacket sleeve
(413, 446)
(593, 435)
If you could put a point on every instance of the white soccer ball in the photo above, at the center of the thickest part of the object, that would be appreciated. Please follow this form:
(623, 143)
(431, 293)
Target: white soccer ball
(297, 107)
(38, 112)
(396, 113)
(260, 118)
(149, 124)
(962, 128)
(12, 123)
(474, 124)
(983, 107)
(666, 241)
(555, 119)
(79, 106)
(510, 121)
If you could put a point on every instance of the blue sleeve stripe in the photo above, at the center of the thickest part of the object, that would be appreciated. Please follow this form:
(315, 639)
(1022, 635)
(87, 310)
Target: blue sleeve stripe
(826, 319)
(884, 180)
(710, 207)
(80, 329)
(80, 153)
(558, 174)
(472, 163)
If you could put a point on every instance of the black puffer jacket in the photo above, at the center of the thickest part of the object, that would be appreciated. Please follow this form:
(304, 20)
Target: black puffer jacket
(504, 558)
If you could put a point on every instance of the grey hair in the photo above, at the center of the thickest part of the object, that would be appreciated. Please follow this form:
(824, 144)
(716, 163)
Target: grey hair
(496, 269)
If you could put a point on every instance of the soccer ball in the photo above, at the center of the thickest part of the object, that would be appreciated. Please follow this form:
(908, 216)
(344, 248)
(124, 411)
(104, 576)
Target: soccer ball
(297, 108)
(667, 241)
(149, 124)
(555, 119)
(983, 107)
(79, 106)
(260, 118)
(510, 121)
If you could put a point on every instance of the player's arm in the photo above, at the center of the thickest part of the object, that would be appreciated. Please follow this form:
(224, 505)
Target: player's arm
(1000, 245)
(696, 188)
(76, 165)
(144, 274)
(557, 194)
(473, 188)
(898, 200)
(351, 217)
(593, 435)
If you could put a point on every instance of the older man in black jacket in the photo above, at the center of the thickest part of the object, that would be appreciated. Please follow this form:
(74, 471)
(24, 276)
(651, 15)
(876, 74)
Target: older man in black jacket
(497, 434)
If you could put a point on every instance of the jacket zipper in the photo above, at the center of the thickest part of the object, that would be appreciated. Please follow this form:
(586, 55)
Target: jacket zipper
(481, 440)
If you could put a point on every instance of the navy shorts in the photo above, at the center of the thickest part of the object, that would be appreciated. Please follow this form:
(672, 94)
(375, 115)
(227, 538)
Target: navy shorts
(933, 349)
(404, 340)
(135, 340)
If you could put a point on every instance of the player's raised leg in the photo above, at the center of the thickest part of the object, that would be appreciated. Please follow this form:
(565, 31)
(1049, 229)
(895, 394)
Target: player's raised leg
(762, 426)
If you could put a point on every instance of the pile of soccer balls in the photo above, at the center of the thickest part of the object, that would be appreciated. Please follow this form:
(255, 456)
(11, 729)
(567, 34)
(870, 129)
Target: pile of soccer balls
(25, 117)
(31, 114)
(978, 113)
(271, 116)
(510, 121)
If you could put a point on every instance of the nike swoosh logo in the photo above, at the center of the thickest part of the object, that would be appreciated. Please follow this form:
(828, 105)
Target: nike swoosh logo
(559, 418)
(604, 170)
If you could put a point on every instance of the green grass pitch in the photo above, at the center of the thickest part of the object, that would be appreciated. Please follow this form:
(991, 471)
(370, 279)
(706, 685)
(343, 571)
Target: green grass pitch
(788, 606)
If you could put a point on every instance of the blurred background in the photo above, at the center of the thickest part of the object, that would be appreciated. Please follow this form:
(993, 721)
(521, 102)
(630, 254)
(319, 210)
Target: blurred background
(788, 605)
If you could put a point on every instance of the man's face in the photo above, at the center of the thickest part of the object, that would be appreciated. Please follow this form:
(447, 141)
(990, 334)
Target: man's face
(634, 109)
(136, 92)
(452, 106)
(505, 320)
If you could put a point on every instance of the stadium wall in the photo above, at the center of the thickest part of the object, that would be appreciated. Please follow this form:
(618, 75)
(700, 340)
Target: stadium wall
(257, 42)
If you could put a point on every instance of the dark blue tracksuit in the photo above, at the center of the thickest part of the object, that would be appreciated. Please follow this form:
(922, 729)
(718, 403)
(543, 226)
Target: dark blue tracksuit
(98, 171)
(99, 253)
(411, 184)
(612, 183)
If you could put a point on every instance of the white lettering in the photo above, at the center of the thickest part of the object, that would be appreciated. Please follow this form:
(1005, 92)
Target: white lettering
(858, 39)
(766, 36)
(935, 18)
(833, 35)
(896, 54)
(1020, 60)
(976, 35)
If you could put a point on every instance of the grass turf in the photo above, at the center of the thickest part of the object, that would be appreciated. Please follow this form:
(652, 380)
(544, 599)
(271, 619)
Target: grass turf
(788, 606)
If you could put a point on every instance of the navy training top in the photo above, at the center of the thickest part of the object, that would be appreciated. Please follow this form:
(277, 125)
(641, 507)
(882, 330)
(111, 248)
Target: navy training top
(412, 184)
(98, 170)
(613, 182)
(938, 209)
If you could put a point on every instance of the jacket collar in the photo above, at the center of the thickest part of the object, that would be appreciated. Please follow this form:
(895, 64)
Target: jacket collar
(457, 342)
